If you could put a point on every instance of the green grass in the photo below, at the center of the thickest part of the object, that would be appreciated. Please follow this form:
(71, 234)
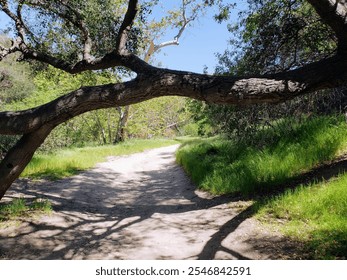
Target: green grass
(315, 215)
(222, 166)
(68, 162)
(19, 207)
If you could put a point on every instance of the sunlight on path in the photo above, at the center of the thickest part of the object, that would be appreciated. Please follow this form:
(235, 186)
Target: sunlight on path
(141, 206)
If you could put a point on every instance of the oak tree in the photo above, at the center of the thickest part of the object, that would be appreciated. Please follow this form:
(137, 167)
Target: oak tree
(76, 36)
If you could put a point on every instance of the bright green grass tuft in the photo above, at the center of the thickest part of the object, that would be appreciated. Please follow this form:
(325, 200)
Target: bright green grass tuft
(316, 215)
(19, 208)
(68, 162)
(223, 166)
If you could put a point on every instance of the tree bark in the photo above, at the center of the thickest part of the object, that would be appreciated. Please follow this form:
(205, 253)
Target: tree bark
(19, 156)
(329, 73)
(122, 123)
(102, 130)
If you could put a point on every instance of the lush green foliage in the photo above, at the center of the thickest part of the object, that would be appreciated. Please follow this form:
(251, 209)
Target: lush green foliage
(162, 117)
(67, 162)
(19, 207)
(243, 123)
(52, 83)
(276, 35)
(57, 26)
(15, 81)
(282, 152)
(315, 214)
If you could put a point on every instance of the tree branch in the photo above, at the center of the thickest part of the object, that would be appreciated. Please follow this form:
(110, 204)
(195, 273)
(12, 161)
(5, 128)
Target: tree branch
(334, 14)
(126, 27)
(112, 59)
(80, 24)
(18, 44)
(120, 57)
(15, 47)
(66, 12)
(74, 17)
(329, 73)
(17, 20)
(154, 48)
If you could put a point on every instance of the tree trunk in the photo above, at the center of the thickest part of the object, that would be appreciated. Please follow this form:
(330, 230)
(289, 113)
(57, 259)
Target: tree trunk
(19, 156)
(102, 130)
(122, 123)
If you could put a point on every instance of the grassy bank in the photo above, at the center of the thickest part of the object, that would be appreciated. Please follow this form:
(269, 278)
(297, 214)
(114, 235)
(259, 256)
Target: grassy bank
(223, 166)
(315, 215)
(68, 162)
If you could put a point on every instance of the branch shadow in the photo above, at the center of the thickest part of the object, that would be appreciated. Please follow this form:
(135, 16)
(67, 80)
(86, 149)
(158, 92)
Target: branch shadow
(215, 243)
(94, 218)
(274, 247)
(321, 173)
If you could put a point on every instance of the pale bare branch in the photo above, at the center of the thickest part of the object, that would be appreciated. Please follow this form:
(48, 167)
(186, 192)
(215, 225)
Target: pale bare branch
(175, 42)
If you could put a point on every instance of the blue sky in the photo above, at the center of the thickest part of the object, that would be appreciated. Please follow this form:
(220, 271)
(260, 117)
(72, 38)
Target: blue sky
(197, 48)
(198, 44)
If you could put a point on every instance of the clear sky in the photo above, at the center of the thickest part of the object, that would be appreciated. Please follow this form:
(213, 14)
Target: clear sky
(198, 44)
(197, 48)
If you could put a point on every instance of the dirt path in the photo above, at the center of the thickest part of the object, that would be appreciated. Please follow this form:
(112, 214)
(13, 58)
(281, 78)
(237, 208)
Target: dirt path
(141, 206)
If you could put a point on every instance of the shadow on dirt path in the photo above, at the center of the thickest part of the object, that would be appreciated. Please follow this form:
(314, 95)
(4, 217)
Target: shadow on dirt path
(141, 206)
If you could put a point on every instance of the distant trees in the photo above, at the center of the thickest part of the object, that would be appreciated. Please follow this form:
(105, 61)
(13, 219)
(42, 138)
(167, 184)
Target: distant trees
(153, 118)
(77, 36)
(276, 36)
(15, 78)
(16, 82)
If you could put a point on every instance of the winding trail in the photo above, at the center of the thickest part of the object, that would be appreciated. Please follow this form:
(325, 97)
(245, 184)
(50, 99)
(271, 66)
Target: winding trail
(141, 206)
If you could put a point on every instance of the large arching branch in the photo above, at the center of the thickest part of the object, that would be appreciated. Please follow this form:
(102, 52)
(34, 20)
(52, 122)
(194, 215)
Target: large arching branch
(156, 82)
(35, 124)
